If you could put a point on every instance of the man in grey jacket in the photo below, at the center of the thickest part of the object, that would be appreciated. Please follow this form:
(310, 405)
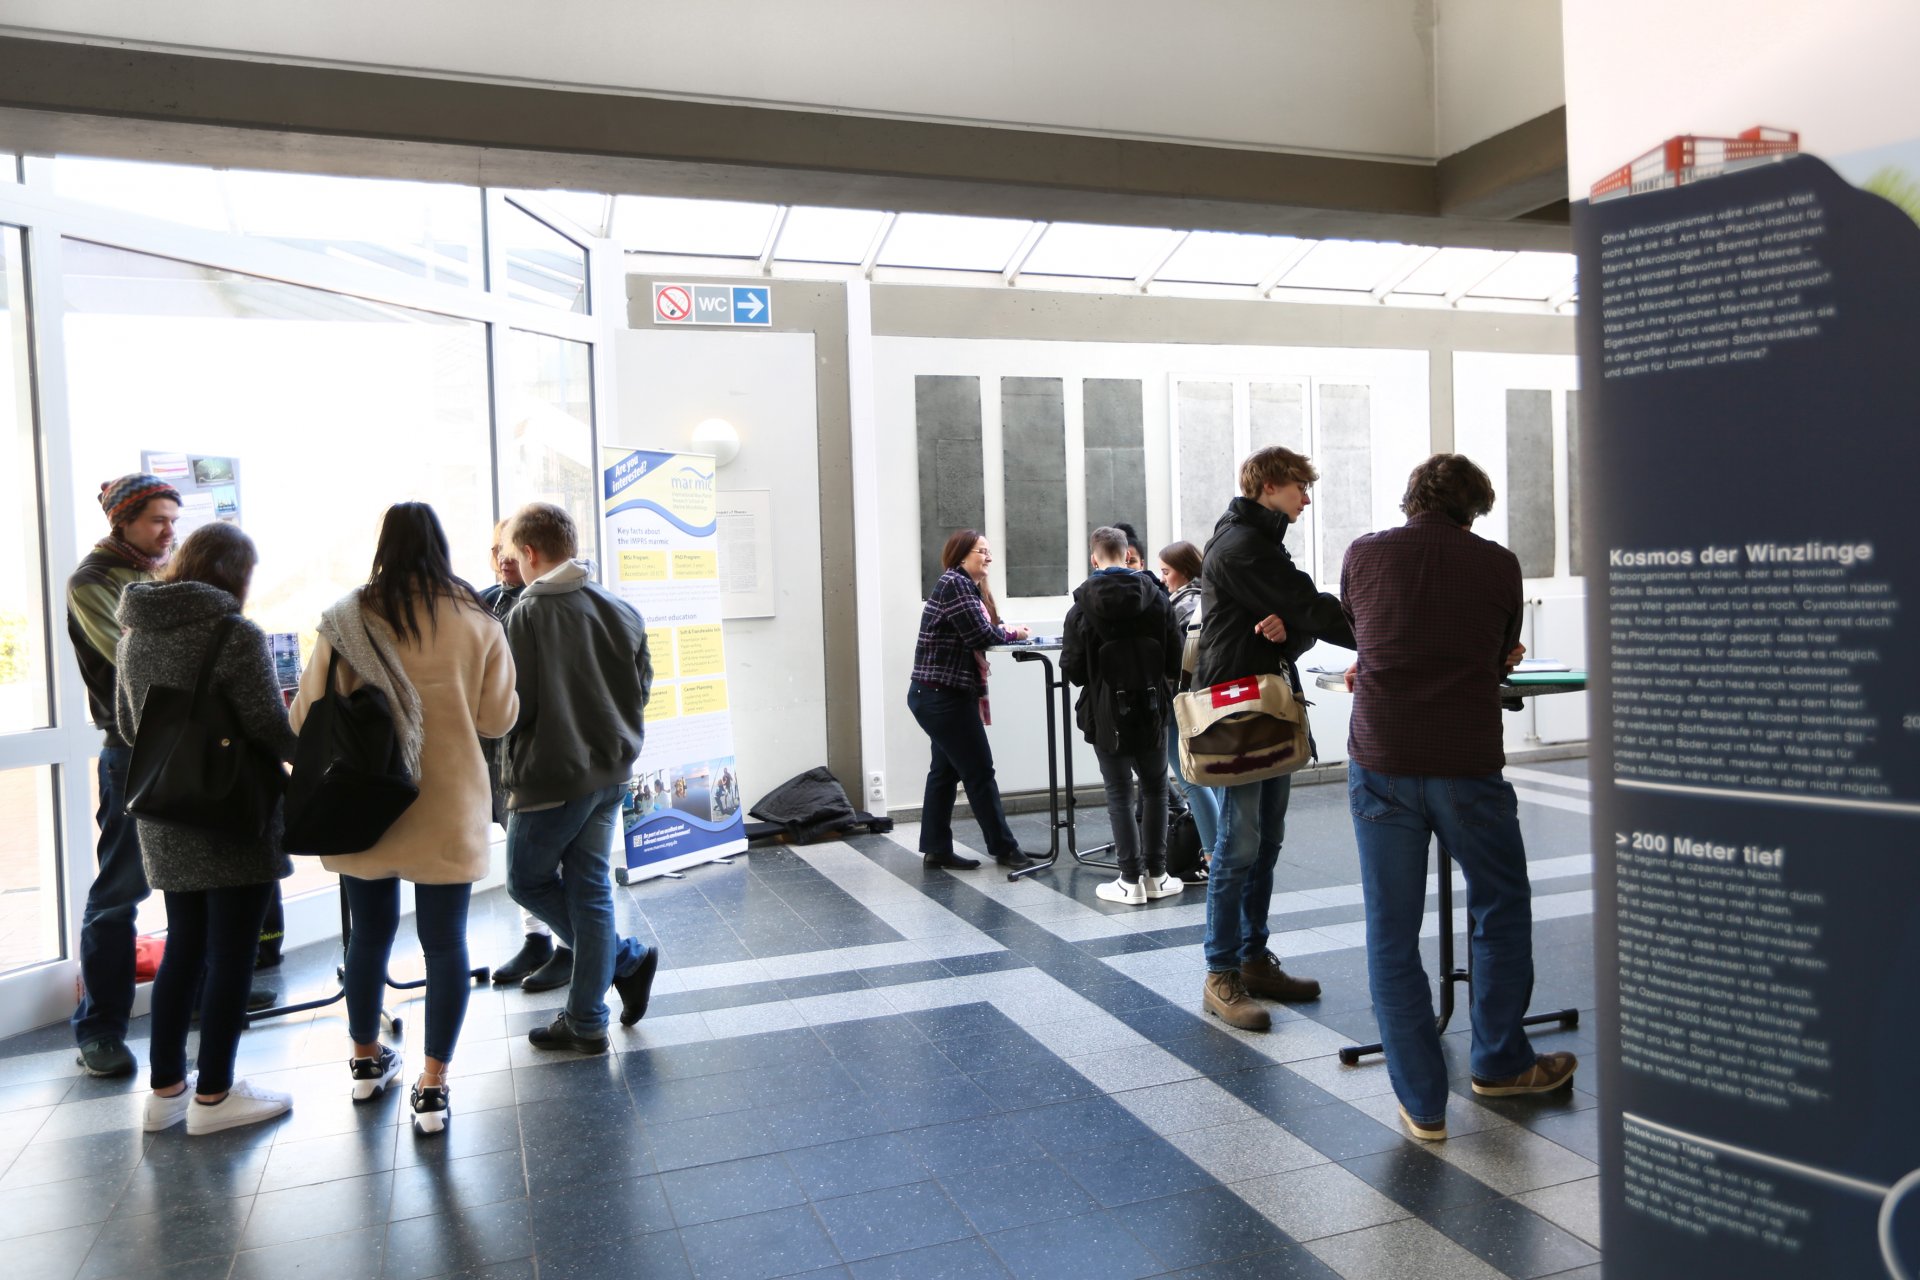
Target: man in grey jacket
(583, 678)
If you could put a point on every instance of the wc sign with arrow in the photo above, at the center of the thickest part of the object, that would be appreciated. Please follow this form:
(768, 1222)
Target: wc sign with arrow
(738, 304)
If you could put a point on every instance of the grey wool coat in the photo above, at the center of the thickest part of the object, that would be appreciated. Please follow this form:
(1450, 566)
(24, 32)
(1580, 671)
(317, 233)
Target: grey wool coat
(165, 630)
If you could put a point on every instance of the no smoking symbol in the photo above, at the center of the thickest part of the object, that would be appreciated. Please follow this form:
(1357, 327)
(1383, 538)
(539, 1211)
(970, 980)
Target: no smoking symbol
(672, 303)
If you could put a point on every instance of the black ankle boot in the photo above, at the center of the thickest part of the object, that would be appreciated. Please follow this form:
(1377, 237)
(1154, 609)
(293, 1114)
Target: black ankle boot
(534, 952)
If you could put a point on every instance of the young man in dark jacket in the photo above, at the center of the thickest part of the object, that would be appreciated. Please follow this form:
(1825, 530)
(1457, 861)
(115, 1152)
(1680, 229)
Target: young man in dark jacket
(583, 674)
(141, 511)
(1258, 613)
(1121, 646)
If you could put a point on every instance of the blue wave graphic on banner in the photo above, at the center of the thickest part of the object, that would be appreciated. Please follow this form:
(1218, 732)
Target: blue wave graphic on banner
(632, 468)
(698, 531)
(653, 820)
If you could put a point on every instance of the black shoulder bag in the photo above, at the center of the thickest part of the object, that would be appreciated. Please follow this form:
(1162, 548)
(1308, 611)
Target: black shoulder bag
(350, 780)
(193, 765)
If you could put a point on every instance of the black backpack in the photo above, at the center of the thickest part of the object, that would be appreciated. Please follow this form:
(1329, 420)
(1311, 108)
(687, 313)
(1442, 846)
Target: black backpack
(350, 780)
(1128, 693)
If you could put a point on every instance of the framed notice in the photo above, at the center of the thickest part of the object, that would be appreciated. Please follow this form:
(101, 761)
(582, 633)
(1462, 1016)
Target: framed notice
(746, 553)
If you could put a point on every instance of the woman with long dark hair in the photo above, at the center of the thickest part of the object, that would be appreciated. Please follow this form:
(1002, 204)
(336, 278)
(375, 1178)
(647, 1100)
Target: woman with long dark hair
(217, 887)
(423, 638)
(949, 699)
(1180, 567)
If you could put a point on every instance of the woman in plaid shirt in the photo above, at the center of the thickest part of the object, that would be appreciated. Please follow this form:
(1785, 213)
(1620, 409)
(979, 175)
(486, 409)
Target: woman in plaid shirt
(949, 699)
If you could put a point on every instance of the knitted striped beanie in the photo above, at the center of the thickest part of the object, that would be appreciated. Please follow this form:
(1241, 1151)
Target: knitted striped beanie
(122, 499)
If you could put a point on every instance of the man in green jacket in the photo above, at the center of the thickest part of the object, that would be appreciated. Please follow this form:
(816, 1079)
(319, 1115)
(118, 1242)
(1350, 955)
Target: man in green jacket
(141, 511)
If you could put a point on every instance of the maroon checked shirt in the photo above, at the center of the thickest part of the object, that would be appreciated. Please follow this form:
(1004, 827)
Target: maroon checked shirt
(1436, 609)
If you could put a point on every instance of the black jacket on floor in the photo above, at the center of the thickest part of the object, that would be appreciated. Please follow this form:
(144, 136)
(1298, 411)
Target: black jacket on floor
(1248, 576)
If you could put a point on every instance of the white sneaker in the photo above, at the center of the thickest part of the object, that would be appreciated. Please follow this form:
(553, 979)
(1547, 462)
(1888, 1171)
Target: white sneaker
(164, 1113)
(1122, 890)
(1162, 886)
(244, 1104)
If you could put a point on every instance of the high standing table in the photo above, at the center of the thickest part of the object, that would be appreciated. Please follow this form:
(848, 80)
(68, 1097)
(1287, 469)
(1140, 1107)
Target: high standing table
(1513, 690)
(1059, 760)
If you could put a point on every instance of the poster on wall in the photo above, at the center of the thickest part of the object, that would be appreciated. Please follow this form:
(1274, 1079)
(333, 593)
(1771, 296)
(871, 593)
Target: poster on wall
(683, 804)
(209, 486)
(1747, 217)
(746, 553)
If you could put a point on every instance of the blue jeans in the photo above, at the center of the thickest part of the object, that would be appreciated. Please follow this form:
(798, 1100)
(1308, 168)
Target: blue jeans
(1478, 823)
(1253, 822)
(558, 861)
(960, 756)
(440, 918)
(1144, 841)
(212, 935)
(1202, 802)
(106, 924)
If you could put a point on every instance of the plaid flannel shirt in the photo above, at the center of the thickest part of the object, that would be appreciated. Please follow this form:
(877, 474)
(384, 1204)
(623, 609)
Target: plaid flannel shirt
(953, 626)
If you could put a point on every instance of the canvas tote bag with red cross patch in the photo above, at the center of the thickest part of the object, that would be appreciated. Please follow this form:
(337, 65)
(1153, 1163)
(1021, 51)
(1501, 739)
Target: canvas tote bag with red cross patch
(1242, 730)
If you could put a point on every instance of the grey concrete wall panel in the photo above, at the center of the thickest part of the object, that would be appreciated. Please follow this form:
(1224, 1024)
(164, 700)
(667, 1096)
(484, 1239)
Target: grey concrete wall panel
(1208, 469)
(1343, 499)
(1115, 429)
(1577, 563)
(953, 486)
(1529, 495)
(1277, 415)
(1033, 434)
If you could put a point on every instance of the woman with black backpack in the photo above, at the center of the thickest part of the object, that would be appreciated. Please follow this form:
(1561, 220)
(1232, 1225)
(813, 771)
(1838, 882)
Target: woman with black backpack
(422, 637)
(217, 885)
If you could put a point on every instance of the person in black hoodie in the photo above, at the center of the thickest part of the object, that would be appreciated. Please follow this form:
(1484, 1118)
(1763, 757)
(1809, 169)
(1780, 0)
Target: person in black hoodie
(1121, 647)
(1258, 612)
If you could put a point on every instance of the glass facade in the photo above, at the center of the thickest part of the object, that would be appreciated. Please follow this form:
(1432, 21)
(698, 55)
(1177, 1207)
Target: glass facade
(23, 613)
(29, 869)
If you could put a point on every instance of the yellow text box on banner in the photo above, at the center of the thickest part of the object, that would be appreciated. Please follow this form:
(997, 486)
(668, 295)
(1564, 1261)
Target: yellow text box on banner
(697, 697)
(643, 566)
(695, 565)
(660, 651)
(701, 651)
(662, 704)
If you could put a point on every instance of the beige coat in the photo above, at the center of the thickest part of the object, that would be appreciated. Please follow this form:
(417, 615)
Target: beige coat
(464, 675)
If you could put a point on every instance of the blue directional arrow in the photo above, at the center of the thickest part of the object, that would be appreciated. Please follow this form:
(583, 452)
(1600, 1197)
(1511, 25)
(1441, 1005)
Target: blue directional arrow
(752, 305)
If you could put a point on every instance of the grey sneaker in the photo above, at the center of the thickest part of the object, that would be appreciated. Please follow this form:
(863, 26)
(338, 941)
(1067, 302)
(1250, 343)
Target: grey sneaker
(107, 1056)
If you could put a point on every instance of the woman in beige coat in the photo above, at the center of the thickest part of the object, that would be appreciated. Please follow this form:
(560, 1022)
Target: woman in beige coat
(421, 636)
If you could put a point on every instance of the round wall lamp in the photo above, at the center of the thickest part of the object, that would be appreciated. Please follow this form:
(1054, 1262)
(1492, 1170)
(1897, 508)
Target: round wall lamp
(717, 437)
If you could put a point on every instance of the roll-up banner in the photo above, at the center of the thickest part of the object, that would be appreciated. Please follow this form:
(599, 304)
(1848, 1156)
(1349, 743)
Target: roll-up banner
(1746, 184)
(683, 805)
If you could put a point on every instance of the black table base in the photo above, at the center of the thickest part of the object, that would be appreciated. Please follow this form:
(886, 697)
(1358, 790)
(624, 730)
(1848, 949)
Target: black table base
(1450, 973)
(1059, 760)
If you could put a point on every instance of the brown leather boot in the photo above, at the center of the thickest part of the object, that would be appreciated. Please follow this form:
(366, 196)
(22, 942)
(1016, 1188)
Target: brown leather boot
(1225, 996)
(1267, 980)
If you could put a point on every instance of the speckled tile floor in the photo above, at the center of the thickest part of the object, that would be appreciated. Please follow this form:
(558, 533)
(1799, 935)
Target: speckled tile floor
(854, 1067)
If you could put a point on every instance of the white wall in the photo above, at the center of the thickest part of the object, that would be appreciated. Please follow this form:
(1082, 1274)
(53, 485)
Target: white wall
(1401, 426)
(1307, 75)
(1498, 63)
(763, 384)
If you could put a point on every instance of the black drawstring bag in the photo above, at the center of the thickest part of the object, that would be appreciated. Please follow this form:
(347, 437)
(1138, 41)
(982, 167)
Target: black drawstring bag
(350, 780)
(194, 767)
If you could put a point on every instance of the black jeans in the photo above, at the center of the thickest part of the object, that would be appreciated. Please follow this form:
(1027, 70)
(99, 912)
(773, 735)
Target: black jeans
(106, 926)
(961, 756)
(1118, 772)
(440, 918)
(212, 935)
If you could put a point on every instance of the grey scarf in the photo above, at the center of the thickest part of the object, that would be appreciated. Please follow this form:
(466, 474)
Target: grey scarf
(367, 644)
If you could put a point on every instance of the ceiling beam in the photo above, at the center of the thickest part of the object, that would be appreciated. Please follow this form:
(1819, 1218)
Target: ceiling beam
(191, 109)
(1516, 173)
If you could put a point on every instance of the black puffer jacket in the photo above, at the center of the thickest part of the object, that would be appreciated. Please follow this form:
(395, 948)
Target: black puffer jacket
(1250, 575)
(1115, 606)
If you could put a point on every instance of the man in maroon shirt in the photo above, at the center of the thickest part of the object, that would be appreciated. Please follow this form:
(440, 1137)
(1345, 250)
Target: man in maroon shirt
(1436, 613)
